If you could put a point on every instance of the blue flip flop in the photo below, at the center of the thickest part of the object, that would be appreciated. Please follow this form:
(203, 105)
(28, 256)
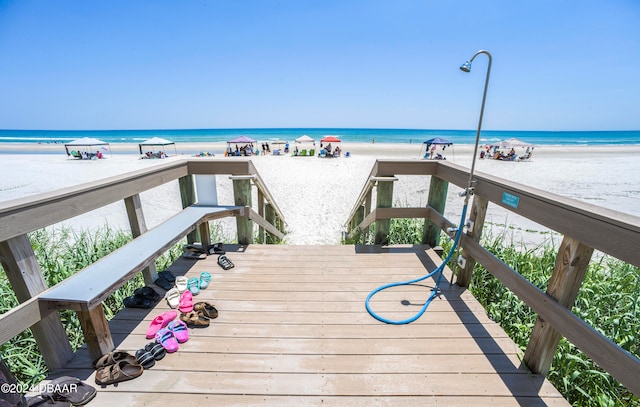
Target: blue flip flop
(193, 285)
(205, 278)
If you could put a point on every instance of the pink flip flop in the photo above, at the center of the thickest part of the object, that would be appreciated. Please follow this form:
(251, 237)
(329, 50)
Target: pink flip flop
(159, 322)
(179, 330)
(186, 302)
(165, 338)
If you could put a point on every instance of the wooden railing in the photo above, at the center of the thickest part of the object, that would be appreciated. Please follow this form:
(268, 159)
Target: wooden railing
(20, 216)
(585, 227)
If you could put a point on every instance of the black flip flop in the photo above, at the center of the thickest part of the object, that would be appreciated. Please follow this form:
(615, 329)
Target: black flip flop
(158, 351)
(145, 358)
(70, 389)
(167, 276)
(147, 293)
(215, 248)
(162, 282)
(136, 301)
(225, 263)
(194, 249)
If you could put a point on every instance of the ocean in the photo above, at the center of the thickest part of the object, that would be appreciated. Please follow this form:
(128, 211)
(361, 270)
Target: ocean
(402, 136)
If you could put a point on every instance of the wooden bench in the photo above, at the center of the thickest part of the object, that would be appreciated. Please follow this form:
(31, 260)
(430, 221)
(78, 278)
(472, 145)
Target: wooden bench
(85, 291)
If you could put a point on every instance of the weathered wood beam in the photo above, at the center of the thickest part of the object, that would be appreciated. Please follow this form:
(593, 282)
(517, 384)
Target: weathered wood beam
(242, 197)
(138, 225)
(569, 272)
(477, 216)
(437, 200)
(25, 275)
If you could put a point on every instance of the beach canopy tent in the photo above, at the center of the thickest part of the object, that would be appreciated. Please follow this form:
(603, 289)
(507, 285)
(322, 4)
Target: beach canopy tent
(512, 142)
(157, 141)
(330, 139)
(87, 144)
(305, 139)
(436, 141)
(242, 151)
(242, 139)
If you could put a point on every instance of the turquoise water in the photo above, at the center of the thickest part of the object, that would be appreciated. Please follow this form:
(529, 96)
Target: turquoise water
(402, 136)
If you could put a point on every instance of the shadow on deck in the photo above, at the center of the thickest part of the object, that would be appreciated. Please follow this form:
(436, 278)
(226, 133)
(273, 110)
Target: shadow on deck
(293, 330)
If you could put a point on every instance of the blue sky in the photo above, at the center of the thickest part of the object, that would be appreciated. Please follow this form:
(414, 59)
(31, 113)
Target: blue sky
(557, 65)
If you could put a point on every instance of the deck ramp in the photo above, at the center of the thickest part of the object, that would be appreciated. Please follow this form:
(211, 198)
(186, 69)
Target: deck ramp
(293, 330)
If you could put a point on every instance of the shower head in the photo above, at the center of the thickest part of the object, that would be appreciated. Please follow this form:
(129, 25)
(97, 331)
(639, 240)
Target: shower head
(466, 67)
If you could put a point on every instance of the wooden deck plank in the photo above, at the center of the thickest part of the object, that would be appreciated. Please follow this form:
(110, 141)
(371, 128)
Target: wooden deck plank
(293, 330)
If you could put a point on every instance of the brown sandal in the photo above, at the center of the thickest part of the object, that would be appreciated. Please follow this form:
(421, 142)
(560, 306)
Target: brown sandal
(194, 319)
(208, 310)
(119, 372)
(112, 358)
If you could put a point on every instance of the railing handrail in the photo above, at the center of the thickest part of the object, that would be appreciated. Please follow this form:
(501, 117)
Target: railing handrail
(607, 230)
(24, 215)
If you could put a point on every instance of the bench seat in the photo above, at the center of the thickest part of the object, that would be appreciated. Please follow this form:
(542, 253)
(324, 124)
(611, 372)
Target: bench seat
(87, 289)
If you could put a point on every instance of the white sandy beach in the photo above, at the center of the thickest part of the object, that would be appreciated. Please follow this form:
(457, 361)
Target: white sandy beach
(316, 195)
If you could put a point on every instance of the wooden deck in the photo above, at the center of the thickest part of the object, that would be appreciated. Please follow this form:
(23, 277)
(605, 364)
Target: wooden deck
(293, 330)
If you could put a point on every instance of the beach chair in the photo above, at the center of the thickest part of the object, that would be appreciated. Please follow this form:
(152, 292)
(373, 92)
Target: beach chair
(303, 153)
(347, 154)
(312, 152)
(323, 153)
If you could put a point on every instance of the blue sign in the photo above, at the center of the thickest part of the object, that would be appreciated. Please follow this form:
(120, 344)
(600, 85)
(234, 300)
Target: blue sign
(510, 200)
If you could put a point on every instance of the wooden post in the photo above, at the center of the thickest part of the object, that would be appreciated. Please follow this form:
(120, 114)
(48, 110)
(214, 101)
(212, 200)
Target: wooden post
(477, 215)
(261, 238)
(242, 197)
(384, 199)
(188, 197)
(138, 227)
(270, 216)
(568, 275)
(437, 200)
(367, 210)
(205, 234)
(25, 275)
(96, 331)
(357, 219)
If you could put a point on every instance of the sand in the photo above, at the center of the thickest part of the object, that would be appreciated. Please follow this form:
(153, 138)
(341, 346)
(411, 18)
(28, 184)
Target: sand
(316, 195)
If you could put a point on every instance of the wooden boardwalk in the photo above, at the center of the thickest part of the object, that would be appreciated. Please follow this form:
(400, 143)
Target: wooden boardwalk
(293, 330)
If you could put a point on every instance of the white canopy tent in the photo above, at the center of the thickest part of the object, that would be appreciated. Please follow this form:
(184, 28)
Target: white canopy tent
(86, 145)
(157, 141)
(305, 139)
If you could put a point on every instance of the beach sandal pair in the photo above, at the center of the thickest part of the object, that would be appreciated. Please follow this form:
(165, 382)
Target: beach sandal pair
(151, 353)
(201, 315)
(225, 263)
(116, 366)
(186, 302)
(165, 279)
(194, 319)
(67, 391)
(175, 333)
(144, 297)
(215, 248)
(118, 372)
(194, 284)
(159, 322)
